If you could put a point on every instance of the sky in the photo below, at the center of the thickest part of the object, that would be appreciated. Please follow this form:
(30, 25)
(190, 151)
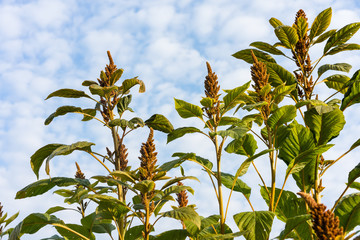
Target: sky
(46, 45)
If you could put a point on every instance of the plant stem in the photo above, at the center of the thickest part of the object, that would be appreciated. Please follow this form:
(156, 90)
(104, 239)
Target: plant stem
(220, 198)
(273, 170)
(337, 201)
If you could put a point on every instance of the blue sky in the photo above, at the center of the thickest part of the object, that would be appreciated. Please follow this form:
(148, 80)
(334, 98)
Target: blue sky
(46, 45)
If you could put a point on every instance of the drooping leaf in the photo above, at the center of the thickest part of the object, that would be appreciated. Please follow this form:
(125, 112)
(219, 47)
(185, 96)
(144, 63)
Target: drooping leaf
(184, 214)
(344, 47)
(233, 97)
(74, 232)
(293, 223)
(228, 181)
(338, 82)
(67, 149)
(88, 113)
(246, 145)
(159, 122)
(102, 91)
(178, 179)
(194, 158)
(116, 76)
(354, 174)
(62, 111)
(68, 93)
(246, 56)
(174, 234)
(40, 155)
(325, 126)
(257, 223)
(129, 83)
(344, 67)
(281, 115)
(287, 36)
(321, 23)
(187, 110)
(341, 36)
(236, 132)
(179, 132)
(348, 211)
(275, 22)
(87, 83)
(267, 48)
(123, 104)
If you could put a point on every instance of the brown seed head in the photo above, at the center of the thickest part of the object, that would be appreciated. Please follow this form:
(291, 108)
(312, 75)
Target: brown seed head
(79, 173)
(148, 158)
(325, 223)
(182, 197)
(212, 86)
(300, 14)
(123, 157)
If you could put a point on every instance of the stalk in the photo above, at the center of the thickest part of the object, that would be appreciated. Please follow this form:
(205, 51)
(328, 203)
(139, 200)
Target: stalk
(220, 195)
(147, 219)
(273, 170)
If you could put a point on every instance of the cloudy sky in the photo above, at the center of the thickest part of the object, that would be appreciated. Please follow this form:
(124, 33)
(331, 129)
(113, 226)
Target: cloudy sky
(50, 44)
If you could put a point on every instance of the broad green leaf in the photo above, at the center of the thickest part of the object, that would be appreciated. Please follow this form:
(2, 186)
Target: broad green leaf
(88, 113)
(325, 126)
(74, 232)
(300, 161)
(256, 105)
(119, 122)
(136, 122)
(179, 132)
(159, 122)
(338, 82)
(355, 144)
(279, 75)
(176, 180)
(281, 115)
(187, 110)
(87, 83)
(236, 132)
(56, 209)
(355, 185)
(207, 102)
(344, 67)
(287, 36)
(257, 223)
(247, 57)
(129, 83)
(68, 93)
(176, 189)
(109, 206)
(134, 233)
(246, 145)
(44, 185)
(62, 111)
(324, 36)
(39, 156)
(116, 76)
(123, 175)
(302, 27)
(228, 181)
(145, 186)
(341, 36)
(275, 22)
(102, 91)
(281, 91)
(245, 165)
(123, 104)
(218, 236)
(293, 223)
(194, 158)
(344, 47)
(267, 48)
(354, 174)
(224, 121)
(321, 23)
(310, 102)
(54, 237)
(352, 95)
(205, 222)
(348, 211)
(175, 234)
(234, 96)
(184, 214)
(67, 149)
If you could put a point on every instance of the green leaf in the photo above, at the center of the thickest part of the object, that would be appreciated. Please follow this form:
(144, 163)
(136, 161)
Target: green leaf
(179, 132)
(129, 83)
(175, 234)
(281, 91)
(134, 233)
(246, 146)
(257, 223)
(54, 237)
(281, 115)
(176, 180)
(355, 185)
(123, 175)
(145, 186)
(324, 36)
(68, 93)
(87, 83)
(352, 95)
(321, 23)
(159, 122)
(123, 104)
(56, 209)
(116, 76)
(39, 156)
(236, 132)
(344, 67)
(44, 185)
(67, 149)
(184, 214)
(354, 174)
(102, 91)
(348, 211)
(228, 180)
(338, 82)
(302, 27)
(279, 75)
(287, 36)
(89, 113)
(234, 96)
(62, 111)
(344, 47)
(187, 110)
(136, 122)
(267, 48)
(245, 165)
(275, 22)
(341, 36)
(325, 126)
(293, 223)
(194, 158)
(247, 57)
(74, 232)
(207, 102)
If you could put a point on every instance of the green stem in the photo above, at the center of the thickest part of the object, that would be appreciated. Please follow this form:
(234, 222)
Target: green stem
(220, 198)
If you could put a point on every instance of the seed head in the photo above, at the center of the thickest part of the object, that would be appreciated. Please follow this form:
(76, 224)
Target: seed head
(79, 173)
(212, 86)
(182, 197)
(123, 157)
(148, 158)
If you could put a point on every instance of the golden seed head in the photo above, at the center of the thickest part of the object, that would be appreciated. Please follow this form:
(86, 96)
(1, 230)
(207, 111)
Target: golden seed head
(79, 173)
(259, 74)
(182, 197)
(148, 158)
(212, 87)
(123, 157)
